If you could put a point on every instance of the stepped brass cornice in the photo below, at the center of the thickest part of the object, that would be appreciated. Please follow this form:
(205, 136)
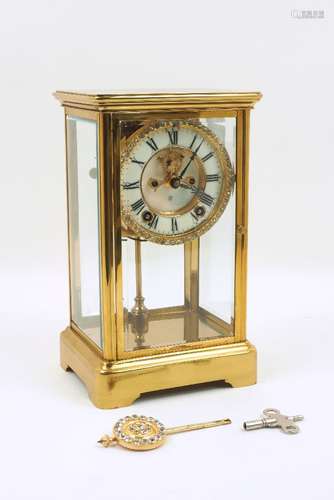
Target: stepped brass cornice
(136, 101)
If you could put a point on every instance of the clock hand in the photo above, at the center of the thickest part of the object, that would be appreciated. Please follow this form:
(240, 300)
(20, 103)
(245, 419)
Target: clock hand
(204, 197)
(186, 185)
(191, 159)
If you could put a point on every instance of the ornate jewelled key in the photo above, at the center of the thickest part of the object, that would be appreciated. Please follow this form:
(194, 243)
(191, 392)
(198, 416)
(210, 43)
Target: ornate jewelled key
(142, 433)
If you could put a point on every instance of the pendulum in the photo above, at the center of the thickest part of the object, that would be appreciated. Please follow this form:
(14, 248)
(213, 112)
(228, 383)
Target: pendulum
(139, 312)
(142, 433)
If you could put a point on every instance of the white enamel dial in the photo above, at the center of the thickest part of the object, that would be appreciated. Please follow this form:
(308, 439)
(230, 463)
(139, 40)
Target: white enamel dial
(176, 179)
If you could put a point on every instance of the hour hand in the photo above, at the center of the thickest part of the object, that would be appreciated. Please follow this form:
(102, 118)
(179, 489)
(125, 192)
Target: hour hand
(186, 184)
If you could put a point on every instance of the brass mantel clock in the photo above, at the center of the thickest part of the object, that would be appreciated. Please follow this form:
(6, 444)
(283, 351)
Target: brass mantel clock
(157, 206)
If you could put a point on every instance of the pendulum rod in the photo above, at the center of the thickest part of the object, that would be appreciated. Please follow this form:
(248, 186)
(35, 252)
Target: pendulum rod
(196, 427)
(139, 280)
(139, 312)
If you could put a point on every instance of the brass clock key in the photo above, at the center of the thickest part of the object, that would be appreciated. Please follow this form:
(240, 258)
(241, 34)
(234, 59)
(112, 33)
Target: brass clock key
(142, 433)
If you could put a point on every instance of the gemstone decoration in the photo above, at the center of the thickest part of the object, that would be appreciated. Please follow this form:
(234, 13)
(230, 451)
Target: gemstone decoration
(139, 432)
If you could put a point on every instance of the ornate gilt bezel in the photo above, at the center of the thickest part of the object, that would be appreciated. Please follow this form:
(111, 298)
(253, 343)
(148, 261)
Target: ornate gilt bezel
(128, 221)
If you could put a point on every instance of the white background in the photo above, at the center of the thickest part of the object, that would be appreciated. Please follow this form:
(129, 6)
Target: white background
(49, 427)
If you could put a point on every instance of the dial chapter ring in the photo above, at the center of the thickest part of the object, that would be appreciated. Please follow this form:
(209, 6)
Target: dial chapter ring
(227, 184)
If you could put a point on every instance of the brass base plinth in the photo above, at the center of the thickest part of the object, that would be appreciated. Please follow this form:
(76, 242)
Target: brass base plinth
(120, 383)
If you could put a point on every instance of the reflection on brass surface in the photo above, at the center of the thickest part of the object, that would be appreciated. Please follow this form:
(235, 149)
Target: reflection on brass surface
(242, 172)
(112, 384)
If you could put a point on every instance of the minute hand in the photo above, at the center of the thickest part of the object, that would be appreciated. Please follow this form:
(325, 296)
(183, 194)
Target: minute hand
(204, 197)
(191, 159)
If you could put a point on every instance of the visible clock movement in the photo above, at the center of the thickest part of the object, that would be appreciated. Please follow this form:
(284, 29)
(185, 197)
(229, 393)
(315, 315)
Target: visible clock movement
(157, 205)
(176, 180)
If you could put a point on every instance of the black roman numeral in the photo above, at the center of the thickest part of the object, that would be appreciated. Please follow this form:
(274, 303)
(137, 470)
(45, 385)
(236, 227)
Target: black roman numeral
(173, 136)
(174, 225)
(131, 185)
(212, 178)
(154, 222)
(137, 161)
(205, 198)
(207, 157)
(153, 145)
(194, 216)
(138, 206)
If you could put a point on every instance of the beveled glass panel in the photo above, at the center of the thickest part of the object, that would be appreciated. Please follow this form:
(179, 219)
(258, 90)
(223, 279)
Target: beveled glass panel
(217, 258)
(83, 226)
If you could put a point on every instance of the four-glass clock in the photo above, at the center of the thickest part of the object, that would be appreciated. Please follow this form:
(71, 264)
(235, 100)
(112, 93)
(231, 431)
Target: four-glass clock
(157, 188)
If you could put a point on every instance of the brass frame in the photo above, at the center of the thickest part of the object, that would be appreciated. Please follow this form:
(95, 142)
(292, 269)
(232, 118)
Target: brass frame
(115, 377)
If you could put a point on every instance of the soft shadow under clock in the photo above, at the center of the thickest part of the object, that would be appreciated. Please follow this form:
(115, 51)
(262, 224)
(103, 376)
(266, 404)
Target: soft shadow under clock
(184, 390)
